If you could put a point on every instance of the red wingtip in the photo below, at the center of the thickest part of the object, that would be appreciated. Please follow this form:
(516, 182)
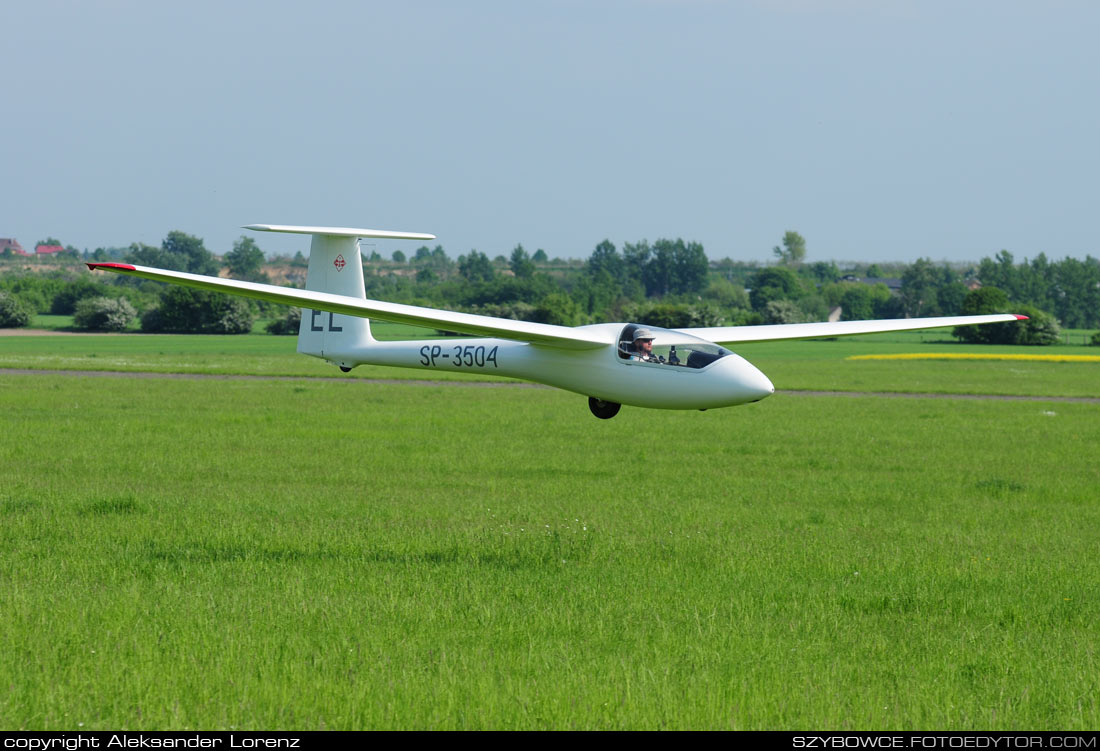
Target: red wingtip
(1021, 318)
(126, 266)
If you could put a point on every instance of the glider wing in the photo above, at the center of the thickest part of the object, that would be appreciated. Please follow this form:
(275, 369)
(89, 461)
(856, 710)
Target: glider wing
(547, 334)
(776, 332)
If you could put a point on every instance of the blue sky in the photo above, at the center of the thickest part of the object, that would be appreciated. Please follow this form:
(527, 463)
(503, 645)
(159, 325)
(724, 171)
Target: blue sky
(879, 130)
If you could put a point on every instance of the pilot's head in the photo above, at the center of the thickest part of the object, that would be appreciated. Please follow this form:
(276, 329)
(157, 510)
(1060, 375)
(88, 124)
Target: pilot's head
(643, 340)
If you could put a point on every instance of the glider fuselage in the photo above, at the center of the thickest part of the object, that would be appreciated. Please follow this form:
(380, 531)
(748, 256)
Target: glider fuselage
(600, 373)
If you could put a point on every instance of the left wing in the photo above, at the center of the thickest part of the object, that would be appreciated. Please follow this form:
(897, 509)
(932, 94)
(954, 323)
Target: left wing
(547, 334)
(776, 332)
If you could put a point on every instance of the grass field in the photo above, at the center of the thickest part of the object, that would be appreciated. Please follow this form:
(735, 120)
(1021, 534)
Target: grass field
(324, 554)
(812, 365)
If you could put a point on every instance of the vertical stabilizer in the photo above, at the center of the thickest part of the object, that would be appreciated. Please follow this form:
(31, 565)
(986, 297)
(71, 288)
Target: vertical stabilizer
(336, 267)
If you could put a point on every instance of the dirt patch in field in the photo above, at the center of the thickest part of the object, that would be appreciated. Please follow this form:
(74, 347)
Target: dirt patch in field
(228, 377)
(49, 332)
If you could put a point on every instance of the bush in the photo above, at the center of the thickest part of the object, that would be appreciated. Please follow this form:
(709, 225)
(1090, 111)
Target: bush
(783, 311)
(103, 314)
(1040, 328)
(184, 310)
(1095, 341)
(557, 309)
(674, 315)
(12, 313)
(288, 324)
(65, 301)
(984, 301)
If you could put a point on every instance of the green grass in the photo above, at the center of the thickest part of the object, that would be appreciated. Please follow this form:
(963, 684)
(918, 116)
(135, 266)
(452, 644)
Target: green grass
(809, 365)
(249, 354)
(320, 554)
(821, 365)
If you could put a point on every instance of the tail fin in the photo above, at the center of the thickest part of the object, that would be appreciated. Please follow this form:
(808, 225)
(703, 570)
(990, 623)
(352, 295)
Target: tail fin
(336, 267)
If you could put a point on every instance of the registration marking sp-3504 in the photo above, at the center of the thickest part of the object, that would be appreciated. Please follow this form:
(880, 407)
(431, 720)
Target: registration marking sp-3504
(460, 356)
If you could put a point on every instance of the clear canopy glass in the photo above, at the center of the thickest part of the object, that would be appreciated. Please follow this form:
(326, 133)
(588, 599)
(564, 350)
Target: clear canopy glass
(670, 348)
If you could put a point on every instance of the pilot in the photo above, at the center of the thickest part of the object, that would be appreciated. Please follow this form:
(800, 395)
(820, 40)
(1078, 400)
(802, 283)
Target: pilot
(643, 346)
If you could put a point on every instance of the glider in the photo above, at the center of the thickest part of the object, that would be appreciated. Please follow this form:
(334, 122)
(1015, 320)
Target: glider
(610, 363)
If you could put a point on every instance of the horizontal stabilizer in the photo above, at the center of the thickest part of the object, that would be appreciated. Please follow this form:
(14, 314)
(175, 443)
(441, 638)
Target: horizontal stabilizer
(340, 232)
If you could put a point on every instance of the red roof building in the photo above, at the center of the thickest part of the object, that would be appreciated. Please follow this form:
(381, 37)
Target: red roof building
(11, 243)
(45, 250)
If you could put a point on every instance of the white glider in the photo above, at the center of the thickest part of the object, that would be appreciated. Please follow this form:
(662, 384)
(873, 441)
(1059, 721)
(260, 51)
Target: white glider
(686, 368)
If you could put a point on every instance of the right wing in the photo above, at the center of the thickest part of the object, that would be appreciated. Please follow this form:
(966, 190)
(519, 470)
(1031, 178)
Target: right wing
(778, 331)
(547, 334)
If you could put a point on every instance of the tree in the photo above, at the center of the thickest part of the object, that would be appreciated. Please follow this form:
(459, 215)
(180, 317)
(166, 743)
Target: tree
(984, 301)
(605, 265)
(198, 260)
(773, 283)
(178, 252)
(726, 294)
(825, 271)
(246, 261)
(540, 256)
(521, 264)
(949, 298)
(793, 251)
(676, 268)
(856, 303)
(635, 259)
(398, 257)
(920, 285)
(475, 267)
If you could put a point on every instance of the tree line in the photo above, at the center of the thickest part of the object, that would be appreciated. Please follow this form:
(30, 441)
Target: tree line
(669, 282)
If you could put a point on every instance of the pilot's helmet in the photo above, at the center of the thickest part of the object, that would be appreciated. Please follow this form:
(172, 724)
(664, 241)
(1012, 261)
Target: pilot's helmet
(643, 334)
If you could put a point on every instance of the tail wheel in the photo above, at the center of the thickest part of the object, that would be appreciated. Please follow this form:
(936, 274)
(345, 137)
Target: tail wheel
(603, 410)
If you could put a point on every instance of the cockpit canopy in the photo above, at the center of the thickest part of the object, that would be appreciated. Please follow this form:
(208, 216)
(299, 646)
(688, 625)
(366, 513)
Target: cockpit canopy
(670, 348)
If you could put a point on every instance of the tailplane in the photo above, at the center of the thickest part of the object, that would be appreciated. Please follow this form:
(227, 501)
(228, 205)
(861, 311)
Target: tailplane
(336, 267)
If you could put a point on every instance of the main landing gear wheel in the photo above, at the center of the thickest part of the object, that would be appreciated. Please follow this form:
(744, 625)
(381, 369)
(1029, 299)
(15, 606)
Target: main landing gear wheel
(603, 410)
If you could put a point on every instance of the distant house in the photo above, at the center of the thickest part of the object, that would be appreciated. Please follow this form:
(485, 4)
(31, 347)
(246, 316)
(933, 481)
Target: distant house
(10, 243)
(48, 250)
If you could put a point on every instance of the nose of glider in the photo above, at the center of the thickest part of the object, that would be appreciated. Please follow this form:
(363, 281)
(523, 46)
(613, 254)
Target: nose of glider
(751, 384)
(759, 384)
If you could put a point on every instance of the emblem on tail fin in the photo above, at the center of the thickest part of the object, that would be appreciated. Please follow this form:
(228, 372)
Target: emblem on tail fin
(339, 263)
